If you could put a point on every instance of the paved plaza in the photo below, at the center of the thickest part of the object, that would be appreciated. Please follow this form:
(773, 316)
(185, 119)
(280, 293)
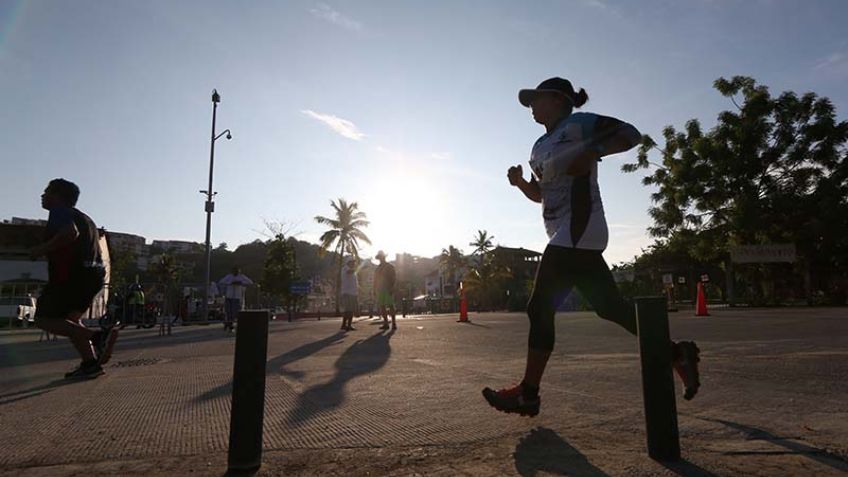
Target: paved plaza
(371, 402)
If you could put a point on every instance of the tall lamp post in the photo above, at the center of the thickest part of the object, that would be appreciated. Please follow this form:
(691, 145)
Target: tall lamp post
(210, 205)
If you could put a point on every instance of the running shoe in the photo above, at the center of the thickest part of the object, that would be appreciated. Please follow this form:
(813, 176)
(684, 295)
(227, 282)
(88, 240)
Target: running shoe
(686, 356)
(86, 370)
(512, 401)
(104, 343)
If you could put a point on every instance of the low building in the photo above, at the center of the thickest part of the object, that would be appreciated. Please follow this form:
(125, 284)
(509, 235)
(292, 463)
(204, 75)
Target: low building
(19, 274)
(136, 245)
(177, 246)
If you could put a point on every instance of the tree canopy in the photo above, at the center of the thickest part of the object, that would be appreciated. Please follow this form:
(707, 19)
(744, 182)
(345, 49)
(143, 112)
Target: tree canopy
(772, 170)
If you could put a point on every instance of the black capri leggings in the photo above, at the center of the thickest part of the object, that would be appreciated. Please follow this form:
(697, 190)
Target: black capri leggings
(559, 272)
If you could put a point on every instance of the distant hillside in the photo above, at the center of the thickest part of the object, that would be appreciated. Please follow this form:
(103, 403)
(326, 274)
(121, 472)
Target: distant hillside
(250, 257)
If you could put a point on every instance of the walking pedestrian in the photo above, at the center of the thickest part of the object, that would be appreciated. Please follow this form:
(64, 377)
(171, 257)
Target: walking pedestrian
(349, 293)
(384, 289)
(235, 284)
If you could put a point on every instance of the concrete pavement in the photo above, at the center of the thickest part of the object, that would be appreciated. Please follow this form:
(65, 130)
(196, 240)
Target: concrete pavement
(408, 402)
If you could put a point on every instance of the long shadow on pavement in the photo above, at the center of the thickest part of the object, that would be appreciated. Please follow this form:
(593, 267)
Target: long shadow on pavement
(752, 433)
(35, 352)
(543, 451)
(474, 323)
(685, 468)
(360, 358)
(35, 391)
(276, 364)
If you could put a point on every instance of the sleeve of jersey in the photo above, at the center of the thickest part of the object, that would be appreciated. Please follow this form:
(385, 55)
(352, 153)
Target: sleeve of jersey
(605, 127)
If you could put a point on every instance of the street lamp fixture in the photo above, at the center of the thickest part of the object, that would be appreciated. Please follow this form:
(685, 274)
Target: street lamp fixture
(209, 205)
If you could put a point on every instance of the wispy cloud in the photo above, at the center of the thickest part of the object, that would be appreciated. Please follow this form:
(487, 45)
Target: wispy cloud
(328, 13)
(835, 60)
(342, 126)
(601, 5)
(442, 156)
(595, 4)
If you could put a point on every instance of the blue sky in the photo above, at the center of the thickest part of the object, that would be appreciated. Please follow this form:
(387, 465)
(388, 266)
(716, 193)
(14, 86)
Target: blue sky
(408, 108)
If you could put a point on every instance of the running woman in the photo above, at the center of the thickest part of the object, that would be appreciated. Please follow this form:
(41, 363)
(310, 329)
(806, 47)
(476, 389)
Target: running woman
(564, 179)
(75, 275)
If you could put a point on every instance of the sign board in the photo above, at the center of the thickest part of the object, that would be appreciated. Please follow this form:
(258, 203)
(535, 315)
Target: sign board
(705, 278)
(681, 280)
(300, 288)
(668, 279)
(774, 253)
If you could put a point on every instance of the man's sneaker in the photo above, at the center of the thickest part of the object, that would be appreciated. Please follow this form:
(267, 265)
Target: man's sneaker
(104, 343)
(86, 370)
(512, 400)
(686, 356)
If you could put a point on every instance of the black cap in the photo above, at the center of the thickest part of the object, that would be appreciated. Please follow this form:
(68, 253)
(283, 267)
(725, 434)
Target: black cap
(552, 85)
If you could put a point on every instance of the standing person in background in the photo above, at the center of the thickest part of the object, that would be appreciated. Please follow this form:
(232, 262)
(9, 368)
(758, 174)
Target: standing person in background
(384, 289)
(348, 294)
(564, 180)
(135, 303)
(234, 285)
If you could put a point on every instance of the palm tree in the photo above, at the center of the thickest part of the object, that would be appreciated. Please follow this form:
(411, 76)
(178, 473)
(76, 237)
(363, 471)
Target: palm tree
(451, 261)
(344, 235)
(482, 244)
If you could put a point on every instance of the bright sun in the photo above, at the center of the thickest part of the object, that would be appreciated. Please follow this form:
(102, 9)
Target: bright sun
(405, 208)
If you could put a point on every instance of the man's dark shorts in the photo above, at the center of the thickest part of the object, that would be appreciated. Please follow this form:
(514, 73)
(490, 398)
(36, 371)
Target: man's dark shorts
(58, 300)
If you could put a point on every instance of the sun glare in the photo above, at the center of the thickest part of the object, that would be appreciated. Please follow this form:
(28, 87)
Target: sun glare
(406, 210)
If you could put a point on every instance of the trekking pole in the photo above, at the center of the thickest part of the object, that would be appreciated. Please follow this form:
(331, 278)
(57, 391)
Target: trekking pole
(657, 379)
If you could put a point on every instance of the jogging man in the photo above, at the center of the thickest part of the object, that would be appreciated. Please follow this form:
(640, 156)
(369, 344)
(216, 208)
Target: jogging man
(384, 289)
(564, 164)
(75, 275)
(234, 285)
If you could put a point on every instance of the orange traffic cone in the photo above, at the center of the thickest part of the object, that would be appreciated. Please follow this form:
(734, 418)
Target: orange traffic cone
(701, 304)
(463, 307)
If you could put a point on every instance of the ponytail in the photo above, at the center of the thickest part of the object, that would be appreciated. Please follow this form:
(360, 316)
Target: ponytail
(579, 98)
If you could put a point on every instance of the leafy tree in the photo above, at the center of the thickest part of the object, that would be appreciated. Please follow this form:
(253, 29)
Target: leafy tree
(344, 234)
(484, 282)
(451, 261)
(167, 273)
(771, 171)
(280, 269)
(123, 270)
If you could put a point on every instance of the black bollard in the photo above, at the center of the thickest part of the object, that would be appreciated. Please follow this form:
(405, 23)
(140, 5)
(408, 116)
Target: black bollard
(248, 406)
(657, 378)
